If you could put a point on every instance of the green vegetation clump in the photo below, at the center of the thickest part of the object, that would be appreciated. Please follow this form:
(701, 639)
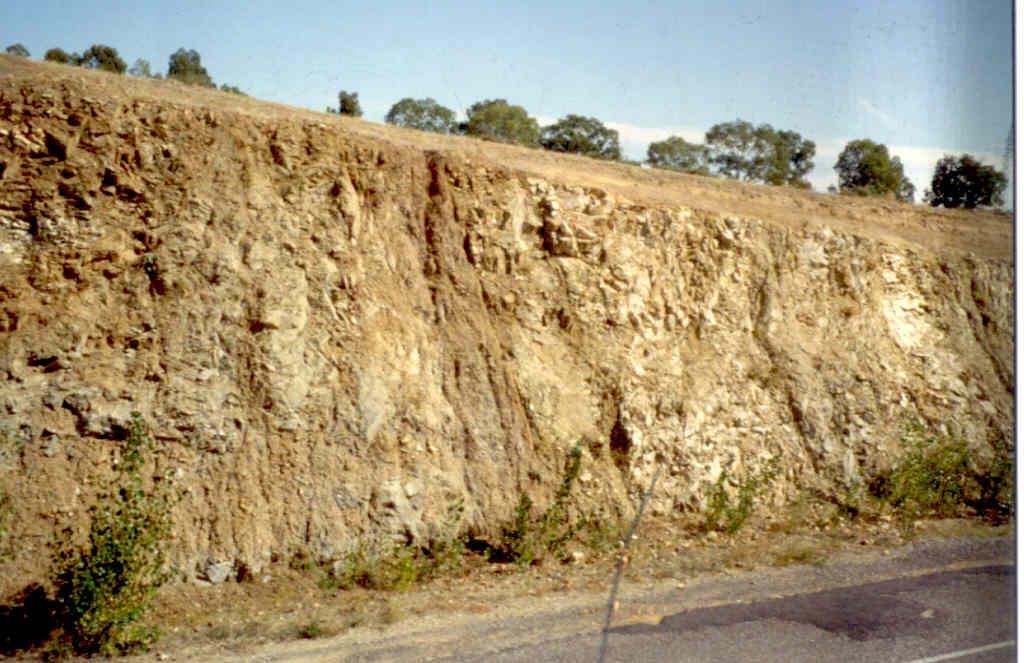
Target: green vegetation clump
(97, 56)
(395, 567)
(313, 630)
(60, 56)
(187, 67)
(965, 182)
(422, 114)
(400, 566)
(497, 120)
(105, 587)
(726, 515)
(10, 450)
(348, 104)
(530, 538)
(865, 168)
(18, 50)
(676, 153)
(739, 150)
(102, 57)
(582, 135)
(938, 477)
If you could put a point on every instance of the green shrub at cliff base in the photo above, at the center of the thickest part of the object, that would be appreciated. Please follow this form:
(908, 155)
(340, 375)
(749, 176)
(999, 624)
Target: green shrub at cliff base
(400, 566)
(727, 515)
(937, 477)
(394, 567)
(6, 518)
(997, 484)
(10, 451)
(104, 587)
(529, 539)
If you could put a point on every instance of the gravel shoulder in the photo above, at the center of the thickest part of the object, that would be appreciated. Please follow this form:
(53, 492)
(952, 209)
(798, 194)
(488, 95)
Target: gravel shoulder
(495, 607)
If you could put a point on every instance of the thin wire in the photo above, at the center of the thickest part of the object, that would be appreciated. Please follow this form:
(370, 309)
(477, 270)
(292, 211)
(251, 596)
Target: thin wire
(621, 564)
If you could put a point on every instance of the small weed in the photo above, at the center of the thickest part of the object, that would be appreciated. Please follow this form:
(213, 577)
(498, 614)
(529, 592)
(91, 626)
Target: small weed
(530, 539)
(302, 560)
(601, 535)
(799, 555)
(328, 582)
(728, 516)
(446, 553)
(853, 503)
(7, 512)
(10, 451)
(391, 613)
(388, 568)
(313, 630)
(11, 445)
(398, 566)
(220, 632)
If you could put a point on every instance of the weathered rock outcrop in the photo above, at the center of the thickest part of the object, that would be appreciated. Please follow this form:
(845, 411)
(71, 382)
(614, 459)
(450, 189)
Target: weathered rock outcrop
(334, 337)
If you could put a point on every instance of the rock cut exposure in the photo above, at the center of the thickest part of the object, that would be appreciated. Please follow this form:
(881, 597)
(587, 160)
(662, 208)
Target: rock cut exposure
(336, 330)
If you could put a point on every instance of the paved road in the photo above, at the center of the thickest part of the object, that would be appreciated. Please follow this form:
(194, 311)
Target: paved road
(962, 615)
(944, 600)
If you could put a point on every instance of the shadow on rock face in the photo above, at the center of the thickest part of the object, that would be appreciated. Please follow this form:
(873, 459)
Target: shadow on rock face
(27, 620)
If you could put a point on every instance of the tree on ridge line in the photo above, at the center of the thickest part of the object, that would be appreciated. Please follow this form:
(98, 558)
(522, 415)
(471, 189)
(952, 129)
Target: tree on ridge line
(865, 167)
(965, 182)
(587, 136)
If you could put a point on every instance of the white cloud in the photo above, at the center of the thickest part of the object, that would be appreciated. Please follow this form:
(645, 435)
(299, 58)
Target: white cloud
(887, 120)
(634, 140)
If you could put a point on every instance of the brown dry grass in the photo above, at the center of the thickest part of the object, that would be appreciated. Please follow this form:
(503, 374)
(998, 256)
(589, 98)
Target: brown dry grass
(988, 234)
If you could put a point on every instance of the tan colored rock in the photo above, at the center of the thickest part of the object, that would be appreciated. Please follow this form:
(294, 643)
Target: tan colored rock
(336, 335)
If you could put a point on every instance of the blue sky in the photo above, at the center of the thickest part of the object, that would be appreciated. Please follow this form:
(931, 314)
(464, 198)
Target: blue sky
(925, 77)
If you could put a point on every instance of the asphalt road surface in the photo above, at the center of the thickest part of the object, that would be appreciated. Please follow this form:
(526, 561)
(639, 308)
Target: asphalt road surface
(942, 600)
(959, 615)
